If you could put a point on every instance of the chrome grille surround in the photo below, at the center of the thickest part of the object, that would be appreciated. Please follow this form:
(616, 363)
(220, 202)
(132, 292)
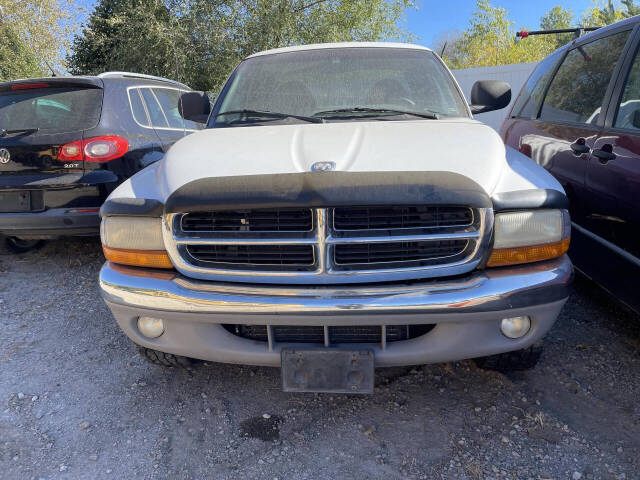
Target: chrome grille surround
(323, 237)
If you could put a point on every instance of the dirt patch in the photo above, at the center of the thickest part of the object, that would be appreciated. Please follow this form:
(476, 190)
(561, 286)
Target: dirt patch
(265, 428)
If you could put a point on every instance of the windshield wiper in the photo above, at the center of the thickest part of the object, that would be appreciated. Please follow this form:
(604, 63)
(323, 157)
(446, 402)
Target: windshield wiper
(4, 133)
(354, 111)
(270, 115)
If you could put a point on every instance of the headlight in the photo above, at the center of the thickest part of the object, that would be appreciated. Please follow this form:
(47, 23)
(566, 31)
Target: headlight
(530, 236)
(134, 241)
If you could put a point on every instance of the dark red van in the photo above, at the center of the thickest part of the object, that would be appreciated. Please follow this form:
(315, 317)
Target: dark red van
(579, 116)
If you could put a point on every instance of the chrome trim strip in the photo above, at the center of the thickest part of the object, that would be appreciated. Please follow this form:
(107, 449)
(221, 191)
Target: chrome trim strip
(182, 240)
(500, 289)
(405, 238)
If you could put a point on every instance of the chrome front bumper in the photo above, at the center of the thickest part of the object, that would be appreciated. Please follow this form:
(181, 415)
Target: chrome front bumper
(466, 311)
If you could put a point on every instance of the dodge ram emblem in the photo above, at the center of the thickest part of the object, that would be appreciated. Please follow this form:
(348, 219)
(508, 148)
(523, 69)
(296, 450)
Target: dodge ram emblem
(323, 166)
(5, 156)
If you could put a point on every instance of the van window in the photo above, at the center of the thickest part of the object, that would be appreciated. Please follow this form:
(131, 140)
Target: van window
(528, 102)
(578, 89)
(628, 115)
(51, 110)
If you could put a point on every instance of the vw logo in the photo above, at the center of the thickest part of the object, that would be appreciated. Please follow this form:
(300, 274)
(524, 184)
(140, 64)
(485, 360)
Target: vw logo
(5, 156)
(323, 166)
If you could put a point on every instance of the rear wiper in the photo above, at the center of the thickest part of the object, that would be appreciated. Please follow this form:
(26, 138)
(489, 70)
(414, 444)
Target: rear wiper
(384, 111)
(26, 131)
(269, 114)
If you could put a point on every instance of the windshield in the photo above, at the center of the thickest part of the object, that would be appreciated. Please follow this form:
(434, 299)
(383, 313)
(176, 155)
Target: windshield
(50, 110)
(339, 84)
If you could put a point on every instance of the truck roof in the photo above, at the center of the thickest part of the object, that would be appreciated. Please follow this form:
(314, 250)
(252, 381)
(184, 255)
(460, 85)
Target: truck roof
(319, 46)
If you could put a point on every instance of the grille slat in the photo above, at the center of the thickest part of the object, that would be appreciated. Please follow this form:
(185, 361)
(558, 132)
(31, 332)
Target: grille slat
(402, 216)
(267, 220)
(253, 254)
(372, 253)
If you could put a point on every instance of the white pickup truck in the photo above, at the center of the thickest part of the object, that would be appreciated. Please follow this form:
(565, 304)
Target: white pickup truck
(341, 211)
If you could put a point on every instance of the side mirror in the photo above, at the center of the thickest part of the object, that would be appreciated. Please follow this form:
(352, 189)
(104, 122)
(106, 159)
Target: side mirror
(635, 119)
(489, 95)
(194, 106)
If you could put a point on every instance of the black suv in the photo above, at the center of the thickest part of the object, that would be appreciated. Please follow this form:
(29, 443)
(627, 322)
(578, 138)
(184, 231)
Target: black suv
(67, 142)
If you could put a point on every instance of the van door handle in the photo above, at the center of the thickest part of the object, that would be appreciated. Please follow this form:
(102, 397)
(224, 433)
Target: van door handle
(603, 155)
(579, 147)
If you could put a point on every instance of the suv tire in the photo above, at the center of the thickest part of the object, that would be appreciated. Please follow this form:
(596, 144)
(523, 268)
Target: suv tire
(20, 245)
(165, 359)
(515, 361)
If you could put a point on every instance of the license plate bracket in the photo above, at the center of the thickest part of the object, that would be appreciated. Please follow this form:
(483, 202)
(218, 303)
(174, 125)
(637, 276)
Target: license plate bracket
(327, 370)
(15, 202)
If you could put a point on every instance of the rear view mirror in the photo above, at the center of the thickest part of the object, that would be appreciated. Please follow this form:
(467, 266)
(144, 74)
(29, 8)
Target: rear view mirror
(489, 95)
(195, 106)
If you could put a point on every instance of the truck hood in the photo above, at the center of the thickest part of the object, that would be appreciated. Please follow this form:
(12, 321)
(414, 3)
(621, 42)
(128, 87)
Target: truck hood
(460, 146)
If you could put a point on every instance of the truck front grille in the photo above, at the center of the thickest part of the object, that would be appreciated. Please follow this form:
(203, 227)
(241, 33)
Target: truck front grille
(359, 244)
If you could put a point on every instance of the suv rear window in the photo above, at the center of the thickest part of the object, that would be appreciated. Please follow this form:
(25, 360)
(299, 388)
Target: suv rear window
(51, 110)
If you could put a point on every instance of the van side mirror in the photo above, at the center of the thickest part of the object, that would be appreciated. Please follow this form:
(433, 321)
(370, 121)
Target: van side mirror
(194, 106)
(489, 95)
(635, 119)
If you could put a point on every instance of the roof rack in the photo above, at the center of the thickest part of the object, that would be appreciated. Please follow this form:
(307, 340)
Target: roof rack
(141, 75)
(577, 32)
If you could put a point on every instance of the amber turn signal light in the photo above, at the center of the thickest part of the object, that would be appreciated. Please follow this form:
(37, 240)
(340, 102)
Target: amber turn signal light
(138, 258)
(535, 253)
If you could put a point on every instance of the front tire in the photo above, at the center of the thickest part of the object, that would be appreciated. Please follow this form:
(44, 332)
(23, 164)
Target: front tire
(21, 245)
(515, 361)
(165, 359)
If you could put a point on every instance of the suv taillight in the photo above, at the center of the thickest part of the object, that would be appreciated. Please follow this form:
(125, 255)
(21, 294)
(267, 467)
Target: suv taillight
(97, 149)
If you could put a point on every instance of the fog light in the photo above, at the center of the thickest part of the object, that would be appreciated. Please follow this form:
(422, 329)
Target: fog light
(150, 327)
(515, 327)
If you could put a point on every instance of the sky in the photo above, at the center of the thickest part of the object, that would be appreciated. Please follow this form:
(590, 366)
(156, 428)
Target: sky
(436, 17)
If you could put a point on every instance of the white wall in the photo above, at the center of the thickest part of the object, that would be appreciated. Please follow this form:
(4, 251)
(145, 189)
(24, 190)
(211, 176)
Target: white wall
(515, 75)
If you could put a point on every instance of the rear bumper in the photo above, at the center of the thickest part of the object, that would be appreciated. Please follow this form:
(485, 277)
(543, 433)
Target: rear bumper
(51, 223)
(466, 312)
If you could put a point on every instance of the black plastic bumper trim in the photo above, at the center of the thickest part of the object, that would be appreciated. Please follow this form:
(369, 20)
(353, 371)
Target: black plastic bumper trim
(534, 198)
(134, 207)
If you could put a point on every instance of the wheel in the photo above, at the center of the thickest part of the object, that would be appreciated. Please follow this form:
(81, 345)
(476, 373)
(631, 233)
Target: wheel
(165, 359)
(512, 361)
(20, 245)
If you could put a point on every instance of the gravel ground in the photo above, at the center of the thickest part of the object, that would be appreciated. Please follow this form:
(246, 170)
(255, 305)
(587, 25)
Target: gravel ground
(76, 401)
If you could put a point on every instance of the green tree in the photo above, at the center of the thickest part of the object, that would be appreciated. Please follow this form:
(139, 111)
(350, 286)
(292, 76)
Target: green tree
(200, 41)
(16, 61)
(631, 8)
(555, 19)
(601, 14)
(490, 40)
(36, 33)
